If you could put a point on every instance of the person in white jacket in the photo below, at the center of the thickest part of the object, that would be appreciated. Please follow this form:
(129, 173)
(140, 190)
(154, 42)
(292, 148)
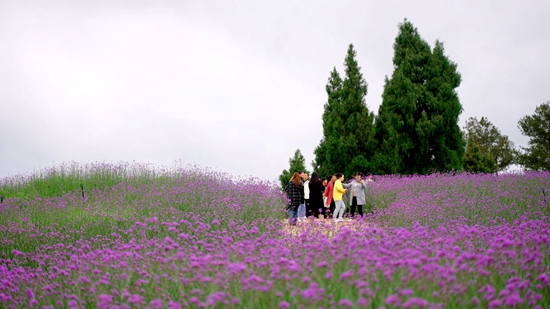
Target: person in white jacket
(302, 209)
(307, 210)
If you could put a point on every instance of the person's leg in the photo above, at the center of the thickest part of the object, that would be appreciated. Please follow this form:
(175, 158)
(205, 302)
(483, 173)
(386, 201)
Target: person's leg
(301, 211)
(332, 206)
(309, 212)
(292, 212)
(314, 210)
(341, 209)
(325, 211)
(360, 208)
(353, 205)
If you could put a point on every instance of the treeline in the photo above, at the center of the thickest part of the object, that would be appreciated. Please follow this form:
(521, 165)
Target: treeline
(416, 129)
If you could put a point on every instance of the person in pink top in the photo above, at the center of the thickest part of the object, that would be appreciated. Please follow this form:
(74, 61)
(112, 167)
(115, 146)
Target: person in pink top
(328, 194)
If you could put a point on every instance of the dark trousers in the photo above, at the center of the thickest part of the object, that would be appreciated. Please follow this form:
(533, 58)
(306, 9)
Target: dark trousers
(309, 211)
(324, 210)
(353, 205)
(318, 209)
(332, 206)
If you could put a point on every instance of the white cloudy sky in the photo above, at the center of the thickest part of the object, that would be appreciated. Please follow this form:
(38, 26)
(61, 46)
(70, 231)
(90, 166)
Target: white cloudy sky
(236, 85)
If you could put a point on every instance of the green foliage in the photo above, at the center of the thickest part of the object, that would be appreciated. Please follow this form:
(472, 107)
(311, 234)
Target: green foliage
(475, 160)
(537, 126)
(490, 144)
(417, 130)
(297, 164)
(69, 177)
(347, 122)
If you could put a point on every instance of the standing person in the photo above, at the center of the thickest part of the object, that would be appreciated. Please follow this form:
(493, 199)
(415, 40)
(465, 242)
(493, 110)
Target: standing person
(305, 178)
(339, 191)
(295, 193)
(323, 211)
(332, 205)
(324, 182)
(329, 203)
(316, 189)
(357, 194)
(302, 208)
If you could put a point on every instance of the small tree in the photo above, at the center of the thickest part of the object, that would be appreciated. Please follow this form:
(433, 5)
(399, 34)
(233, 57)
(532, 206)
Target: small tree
(475, 160)
(490, 142)
(537, 155)
(297, 163)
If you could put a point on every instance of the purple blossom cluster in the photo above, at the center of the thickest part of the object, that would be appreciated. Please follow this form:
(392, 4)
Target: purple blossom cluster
(436, 199)
(196, 239)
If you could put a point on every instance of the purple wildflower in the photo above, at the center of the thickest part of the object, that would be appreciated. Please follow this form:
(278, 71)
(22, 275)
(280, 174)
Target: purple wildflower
(345, 303)
(415, 301)
(104, 300)
(393, 300)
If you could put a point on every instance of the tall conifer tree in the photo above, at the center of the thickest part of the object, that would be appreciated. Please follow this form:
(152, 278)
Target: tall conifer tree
(347, 122)
(417, 130)
(324, 152)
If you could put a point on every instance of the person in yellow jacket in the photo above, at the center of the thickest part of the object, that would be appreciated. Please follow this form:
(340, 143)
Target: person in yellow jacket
(339, 190)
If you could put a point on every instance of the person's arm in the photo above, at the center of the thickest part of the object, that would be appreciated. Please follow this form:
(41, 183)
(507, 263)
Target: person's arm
(340, 188)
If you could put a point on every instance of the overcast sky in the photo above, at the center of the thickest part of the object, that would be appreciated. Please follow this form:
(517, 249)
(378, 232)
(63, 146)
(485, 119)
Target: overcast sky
(237, 86)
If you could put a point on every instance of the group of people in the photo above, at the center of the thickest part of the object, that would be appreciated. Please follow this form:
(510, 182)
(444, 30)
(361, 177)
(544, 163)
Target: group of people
(323, 198)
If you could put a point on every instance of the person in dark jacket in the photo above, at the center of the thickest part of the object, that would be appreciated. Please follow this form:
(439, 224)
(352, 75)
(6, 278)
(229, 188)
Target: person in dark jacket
(295, 193)
(316, 190)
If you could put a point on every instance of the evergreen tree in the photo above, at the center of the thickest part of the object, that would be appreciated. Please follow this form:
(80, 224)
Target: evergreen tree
(417, 130)
(327, 148)
(491, 143)
(297, 163)
(475, 161)
(537, 155)
(347, 122)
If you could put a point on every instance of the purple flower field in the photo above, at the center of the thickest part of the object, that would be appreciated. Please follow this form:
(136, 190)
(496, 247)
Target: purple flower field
(136, 236)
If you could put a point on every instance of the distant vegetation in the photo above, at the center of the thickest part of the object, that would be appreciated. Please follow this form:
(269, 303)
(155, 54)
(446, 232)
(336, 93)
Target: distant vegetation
(416, 128)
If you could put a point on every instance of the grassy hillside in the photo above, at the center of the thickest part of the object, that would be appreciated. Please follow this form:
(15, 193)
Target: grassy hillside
(139, 236)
